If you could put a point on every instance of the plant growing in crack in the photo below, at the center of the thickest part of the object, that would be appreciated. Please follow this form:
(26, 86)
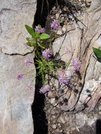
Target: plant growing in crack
(97, 52)
(45, 61)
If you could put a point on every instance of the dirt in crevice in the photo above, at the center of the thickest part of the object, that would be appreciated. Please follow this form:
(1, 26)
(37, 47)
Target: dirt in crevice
(39, 116)
(43, 9)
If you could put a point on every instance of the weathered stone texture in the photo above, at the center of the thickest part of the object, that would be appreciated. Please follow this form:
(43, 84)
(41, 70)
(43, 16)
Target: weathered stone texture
(73, 109)
(80, 38)
(15, 99)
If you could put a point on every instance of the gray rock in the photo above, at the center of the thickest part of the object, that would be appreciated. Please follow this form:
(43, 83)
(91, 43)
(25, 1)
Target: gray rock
(80, 39)
(15, 99)
(61, 119)
(59, 133)
(54, 126)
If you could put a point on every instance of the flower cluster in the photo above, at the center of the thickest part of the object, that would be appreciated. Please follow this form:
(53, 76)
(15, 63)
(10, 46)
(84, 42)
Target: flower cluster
(47, 53)
(19, 76)
(68, 51)
(28, 61)
(44, 58)
(39, 29)
(29, 86)
(44, 89)
(55, 24)
(76, 63)
(63, 78)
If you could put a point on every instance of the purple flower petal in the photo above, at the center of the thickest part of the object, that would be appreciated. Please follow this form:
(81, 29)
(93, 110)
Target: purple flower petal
(55, 24)
(68, 51)
(44, 89)
(47, 53)
(39, 29)
(29, 86)
(19, 76)
(28, 61)
(63, 78)
(76, 63)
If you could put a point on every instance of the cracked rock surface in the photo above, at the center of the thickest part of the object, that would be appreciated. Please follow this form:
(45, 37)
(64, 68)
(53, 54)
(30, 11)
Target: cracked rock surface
(65, 103)
(15, 99)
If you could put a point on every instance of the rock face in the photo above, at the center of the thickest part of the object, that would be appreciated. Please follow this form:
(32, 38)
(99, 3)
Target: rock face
(15, 98)
(71, 109)
(81, 36)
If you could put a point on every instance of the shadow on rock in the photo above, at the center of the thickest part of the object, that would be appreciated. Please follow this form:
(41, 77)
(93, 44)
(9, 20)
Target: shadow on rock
(98, 126)
(39, 117)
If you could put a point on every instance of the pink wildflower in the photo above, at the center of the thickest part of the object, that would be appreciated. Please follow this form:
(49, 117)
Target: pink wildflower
(47, 53)
(19, 76)
(39, 29)
(68, 51)
(55, 24)
(29, 86)
(45, 89)
(76, 63)
(63, 78)
(28, 61)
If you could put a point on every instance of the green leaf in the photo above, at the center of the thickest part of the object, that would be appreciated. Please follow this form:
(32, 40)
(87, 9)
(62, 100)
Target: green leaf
(97, 52)
(27, 38)
(41, 45)
(37, 35)
(30, 44)
(44, 36)
(33, 43)
(30, 30)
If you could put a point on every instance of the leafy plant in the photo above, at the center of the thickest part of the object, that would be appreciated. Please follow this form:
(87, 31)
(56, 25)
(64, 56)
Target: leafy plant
(45, 61)
(37, 41)
(97, 52)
